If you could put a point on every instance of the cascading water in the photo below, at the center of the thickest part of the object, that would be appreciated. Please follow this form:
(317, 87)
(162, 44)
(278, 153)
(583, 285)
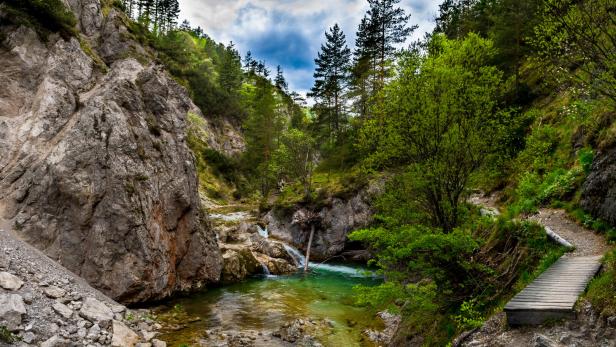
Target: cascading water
(263, 232)
(300, 260)
(266, 270)
(297, 256)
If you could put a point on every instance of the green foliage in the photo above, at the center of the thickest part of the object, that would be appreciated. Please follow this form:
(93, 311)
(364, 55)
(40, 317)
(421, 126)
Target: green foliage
(536, 190)
(45, 16)
(7, 336)
(469, 316)
(580, 34)
(586, 156)
(441, 118)
(602, 290)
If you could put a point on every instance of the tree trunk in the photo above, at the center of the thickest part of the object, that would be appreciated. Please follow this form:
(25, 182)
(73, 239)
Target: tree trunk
(308, 248)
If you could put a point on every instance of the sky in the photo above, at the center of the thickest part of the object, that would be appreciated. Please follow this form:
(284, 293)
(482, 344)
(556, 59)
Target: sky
(289, 33)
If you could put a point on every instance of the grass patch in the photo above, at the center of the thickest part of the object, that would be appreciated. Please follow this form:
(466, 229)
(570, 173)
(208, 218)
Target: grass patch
(7, 336)
(602, 290)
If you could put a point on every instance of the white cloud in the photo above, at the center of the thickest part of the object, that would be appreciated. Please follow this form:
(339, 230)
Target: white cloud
(254, 22)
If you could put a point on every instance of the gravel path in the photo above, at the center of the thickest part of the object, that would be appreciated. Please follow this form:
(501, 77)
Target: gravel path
(586, 241)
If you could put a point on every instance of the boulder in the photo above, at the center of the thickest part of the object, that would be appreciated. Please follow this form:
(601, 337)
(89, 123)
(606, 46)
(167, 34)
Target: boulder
(238, 264)
(12, 310)
(158, 343)
(123, 336)
(9, 281)
(336, 220)
(95, 311)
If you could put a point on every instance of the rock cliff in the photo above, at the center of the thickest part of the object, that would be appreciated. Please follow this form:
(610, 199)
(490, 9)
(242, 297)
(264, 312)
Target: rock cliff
(94, 166)
(338, 217)
(599, 189)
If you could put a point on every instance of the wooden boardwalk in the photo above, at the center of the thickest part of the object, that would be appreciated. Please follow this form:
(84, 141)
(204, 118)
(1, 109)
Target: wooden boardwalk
(553, 294)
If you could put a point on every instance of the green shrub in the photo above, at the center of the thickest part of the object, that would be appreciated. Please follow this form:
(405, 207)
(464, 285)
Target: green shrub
(44, 16)
(602, 290)
(469, 316)
(586, 156)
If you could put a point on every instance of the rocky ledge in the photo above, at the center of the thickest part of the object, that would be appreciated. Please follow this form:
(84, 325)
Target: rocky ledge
(44, 304)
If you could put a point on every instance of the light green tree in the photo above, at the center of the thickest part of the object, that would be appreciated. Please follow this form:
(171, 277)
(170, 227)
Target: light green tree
(442, 122)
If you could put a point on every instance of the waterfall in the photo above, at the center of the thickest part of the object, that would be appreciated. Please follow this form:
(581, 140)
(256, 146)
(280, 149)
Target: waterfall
(297, 256)
(266, 271)
(262, 232)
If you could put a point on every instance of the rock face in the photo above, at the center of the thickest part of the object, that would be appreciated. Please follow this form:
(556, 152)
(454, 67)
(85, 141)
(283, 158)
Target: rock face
(94, 166)
(338, 219)
(599, 189)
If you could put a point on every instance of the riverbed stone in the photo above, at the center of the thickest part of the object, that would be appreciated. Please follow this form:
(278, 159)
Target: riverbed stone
(158, 343)
(9, 281)
(12, 310)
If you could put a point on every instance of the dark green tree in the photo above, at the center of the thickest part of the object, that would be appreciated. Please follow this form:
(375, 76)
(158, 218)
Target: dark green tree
(383, 28)
(279, 81)
(331, 82)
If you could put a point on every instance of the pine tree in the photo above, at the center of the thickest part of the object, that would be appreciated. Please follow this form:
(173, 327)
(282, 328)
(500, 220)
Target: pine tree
(280, 81)
(331, 80)
(230, 71)
(383, 27)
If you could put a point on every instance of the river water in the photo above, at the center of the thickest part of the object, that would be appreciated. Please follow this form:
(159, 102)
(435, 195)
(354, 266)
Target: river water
(265, 303)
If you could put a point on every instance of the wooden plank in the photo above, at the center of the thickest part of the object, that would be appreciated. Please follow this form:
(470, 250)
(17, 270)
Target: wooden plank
(553, 294)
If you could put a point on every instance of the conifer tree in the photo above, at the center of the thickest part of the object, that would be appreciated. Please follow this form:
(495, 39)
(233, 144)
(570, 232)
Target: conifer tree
(331, 80)
(280, 81)
(383, 28)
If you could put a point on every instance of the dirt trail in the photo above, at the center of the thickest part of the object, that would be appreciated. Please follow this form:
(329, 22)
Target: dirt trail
(586, 241)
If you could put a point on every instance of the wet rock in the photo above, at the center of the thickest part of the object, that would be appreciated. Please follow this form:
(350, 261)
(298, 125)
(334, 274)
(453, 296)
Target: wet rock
(338, 218)
(123, 336)
(95, 311)
(12, 310)
(238, 264)
(9, 281)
